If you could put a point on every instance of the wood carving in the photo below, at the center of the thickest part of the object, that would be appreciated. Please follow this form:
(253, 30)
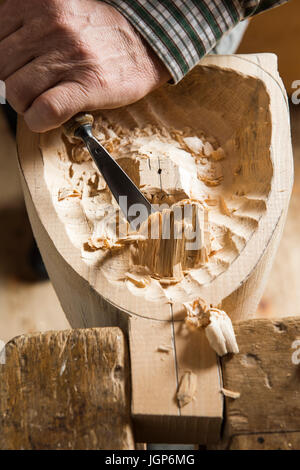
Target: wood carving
(218, 143)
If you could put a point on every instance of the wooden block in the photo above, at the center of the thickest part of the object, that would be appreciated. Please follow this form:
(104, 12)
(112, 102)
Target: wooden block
(266, 373)
(194, 354)
(161, 353)
(66, 390)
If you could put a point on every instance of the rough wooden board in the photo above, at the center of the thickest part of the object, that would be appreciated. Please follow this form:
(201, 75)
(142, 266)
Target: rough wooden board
(266, 378)
(66, 390)
(156, 374)
(266, 441)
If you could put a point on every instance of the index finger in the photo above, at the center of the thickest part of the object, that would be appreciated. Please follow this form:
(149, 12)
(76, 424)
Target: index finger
(11, 17)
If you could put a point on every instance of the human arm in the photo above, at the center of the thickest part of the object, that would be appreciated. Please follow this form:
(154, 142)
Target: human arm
(59, 57)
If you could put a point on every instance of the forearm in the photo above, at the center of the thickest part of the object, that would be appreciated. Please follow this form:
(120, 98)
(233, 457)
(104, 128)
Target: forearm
(181, 32)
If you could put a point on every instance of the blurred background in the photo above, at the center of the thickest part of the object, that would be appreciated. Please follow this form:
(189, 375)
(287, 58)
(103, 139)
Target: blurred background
(27, 300)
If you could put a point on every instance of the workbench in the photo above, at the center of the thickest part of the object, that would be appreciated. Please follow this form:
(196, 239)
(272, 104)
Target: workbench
(71, 390)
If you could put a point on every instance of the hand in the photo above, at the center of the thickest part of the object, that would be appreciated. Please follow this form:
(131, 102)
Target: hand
(59, 57)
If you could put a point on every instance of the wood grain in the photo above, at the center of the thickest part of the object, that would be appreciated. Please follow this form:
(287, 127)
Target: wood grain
(160, 355)
(66, 390)
(268, 382)
(266, 441)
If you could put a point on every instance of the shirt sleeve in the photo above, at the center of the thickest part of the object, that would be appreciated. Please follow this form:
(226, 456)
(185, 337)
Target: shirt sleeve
(181, 32)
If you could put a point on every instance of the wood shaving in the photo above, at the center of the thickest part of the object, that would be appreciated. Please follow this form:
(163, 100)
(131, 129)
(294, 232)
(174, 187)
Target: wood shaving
(216, 323)
(138, 280)
(208, 149)
(80, 154)
(187, 389)
(65, 193)
(218, 154)
(211, 182)
(106, 243)
(194, 144)
(211, 202)
(196, 313)
(223, 206)
(164, 349)
(230, 393)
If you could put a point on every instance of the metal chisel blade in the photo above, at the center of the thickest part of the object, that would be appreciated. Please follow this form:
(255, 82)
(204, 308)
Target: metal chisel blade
(132, 202)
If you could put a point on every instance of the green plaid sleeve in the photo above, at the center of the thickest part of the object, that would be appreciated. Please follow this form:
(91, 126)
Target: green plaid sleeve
(181, 32)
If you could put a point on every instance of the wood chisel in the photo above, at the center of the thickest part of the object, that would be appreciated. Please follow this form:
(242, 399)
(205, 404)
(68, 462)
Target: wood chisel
(132, 202)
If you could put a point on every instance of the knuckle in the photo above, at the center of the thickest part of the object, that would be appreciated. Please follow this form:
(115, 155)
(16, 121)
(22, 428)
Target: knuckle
(61, 25)
(61, 22)
(49, 108)
(82, 49)
(93, 80)
(77, 48)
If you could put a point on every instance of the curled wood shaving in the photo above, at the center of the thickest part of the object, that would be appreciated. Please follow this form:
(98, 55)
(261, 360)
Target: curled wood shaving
(73, 124)
(194, 144)
(208, 149)
(167, 281)
(138, 280)
(220, 333)
(211, 182)
(110, 146)
(65, 193)
(187, 388)
(230, 393)
(196, 313)
(211, 202)
(164, 349)
(102, 244)
(216, 323)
